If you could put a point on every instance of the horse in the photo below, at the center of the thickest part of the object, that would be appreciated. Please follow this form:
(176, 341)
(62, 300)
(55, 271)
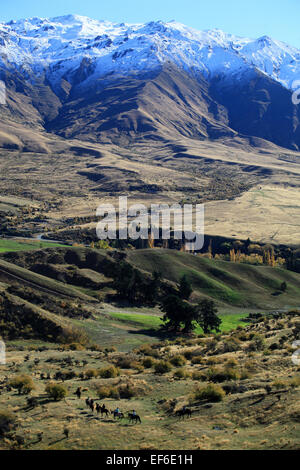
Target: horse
(104, 411)
(184, 412)
(134, 418)
(118, 415)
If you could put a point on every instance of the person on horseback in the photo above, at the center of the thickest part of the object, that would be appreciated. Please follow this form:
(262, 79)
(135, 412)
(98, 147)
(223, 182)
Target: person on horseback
(117, 410)
(133, 413)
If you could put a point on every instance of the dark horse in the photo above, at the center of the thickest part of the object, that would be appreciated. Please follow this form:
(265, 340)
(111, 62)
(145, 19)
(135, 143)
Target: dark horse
(119, 415)
(184, 412)
(134, 418)
(102, 410)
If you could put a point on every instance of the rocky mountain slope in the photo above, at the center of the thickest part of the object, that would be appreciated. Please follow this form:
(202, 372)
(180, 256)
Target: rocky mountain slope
(100, 81)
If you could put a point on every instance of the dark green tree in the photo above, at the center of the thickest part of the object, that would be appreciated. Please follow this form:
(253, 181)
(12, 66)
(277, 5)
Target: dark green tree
(178, 314)
(283, 286)
(207, 316)
(185, 288)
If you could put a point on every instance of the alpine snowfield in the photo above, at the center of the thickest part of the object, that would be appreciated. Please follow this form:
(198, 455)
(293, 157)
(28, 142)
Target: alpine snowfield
(56, 47)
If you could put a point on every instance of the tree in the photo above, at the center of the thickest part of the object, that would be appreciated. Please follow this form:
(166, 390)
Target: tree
(56, 391)
(207, 316)
(185, 288)
(23, 383)
(178, 314)
(283, 286)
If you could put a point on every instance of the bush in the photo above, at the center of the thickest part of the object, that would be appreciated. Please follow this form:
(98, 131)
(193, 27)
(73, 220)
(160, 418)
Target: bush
(133, 388)
(197, 375)
(181, 374)
(220, 375)
(148, 362)
(162, 367)
(197, 360)
(76, 347)
(7, 421)
(148, 350)
(71, 335)
(109, 372)
(127, 391)
(65, 375)
(23, 383)
(257, 343)
(128, 363)
(178, 360)
(213, 393)
(56, 391)
(106, 392)
(188, 354)
(91, 373)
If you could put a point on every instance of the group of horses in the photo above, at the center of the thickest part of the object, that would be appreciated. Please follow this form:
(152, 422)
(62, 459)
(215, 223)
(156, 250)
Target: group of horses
(133, 417)
(184, 412)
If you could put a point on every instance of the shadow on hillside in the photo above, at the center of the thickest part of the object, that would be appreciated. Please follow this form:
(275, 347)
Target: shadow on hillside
(154, 333)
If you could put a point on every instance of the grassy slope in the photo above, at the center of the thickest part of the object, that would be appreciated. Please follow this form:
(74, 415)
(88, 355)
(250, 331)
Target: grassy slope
(236, 284)
(26, 245)
(42, 281)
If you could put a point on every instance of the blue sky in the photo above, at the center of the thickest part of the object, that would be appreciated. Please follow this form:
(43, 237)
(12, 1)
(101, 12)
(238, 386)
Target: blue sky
(279, 19)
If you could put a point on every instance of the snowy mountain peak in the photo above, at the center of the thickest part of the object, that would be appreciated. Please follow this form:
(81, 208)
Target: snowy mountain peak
(56, 47)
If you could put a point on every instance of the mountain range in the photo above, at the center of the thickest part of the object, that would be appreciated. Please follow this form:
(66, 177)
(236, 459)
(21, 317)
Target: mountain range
(81, 78)
(157, 111)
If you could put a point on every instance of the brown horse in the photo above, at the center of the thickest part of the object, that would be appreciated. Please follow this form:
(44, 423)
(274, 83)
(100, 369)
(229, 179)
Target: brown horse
(184, 412)
(134, 418)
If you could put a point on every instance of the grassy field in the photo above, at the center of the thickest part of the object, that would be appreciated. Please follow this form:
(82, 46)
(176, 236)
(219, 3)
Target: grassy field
(24, 245)
(229, 322)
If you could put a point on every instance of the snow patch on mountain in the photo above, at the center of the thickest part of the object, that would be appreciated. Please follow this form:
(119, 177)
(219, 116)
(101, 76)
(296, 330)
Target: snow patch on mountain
(57, 47)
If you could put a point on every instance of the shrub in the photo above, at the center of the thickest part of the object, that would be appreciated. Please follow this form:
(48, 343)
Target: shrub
(106, 392)
(162, 367)
(213, 393)
(56, 391)
(278, 384)
(197, 375)
(232, 362)
(181, 374)
(7, 421)
(148, 350)
(76, 347)
(295, 382)
(128, 363)
(257, 343)
(65, 375)
(188, 354)
(178, 360)
(109, 372)
(220, 375)
(197, 360)
(133, 388)
(148, 362)
(127, 391)
(91, 373)
(71, 335)
(23, 383)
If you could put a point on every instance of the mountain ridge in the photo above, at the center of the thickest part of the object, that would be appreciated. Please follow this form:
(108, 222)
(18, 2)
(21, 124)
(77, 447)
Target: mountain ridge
(44, 43)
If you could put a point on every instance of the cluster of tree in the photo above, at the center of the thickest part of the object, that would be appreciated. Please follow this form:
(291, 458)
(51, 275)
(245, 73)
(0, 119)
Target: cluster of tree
(181, 315)
(133, 285)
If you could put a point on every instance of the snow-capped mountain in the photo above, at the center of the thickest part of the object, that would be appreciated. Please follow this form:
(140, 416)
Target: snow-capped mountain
(57, 47)
(104, 82)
